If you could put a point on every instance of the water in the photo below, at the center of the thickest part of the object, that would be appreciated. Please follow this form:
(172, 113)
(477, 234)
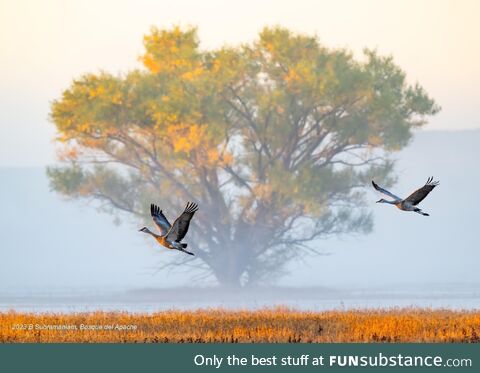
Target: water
(155, 300)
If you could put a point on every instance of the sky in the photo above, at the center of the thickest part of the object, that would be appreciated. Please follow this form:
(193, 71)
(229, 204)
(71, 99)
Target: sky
(45, 44)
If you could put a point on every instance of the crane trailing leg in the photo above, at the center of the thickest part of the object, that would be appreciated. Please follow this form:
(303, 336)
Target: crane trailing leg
(418, 211)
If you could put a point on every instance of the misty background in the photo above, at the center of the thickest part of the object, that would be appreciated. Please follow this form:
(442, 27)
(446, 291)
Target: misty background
(49, 245)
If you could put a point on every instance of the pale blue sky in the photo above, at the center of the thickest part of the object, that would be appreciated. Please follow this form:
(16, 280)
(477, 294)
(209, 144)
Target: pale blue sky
(45, 44)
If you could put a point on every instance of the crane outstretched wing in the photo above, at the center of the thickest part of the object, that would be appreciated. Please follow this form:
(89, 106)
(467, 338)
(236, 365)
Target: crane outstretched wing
(384, 191)
(180, 227)
(419, 195)
(159, 219)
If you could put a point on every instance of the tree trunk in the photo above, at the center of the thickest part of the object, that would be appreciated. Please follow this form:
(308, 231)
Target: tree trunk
(228, 281)
(231, 265)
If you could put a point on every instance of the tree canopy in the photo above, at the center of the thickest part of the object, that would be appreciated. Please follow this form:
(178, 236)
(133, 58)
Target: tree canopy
(275, 140)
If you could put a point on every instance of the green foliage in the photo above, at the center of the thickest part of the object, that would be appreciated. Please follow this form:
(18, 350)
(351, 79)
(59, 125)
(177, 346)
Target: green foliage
(67, 180)
(275, 140)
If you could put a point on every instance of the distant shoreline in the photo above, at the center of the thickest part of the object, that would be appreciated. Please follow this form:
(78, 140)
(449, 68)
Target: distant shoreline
(306, 299)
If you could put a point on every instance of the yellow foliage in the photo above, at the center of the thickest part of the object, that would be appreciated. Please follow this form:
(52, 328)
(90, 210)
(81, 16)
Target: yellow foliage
(216, 65)
(117, 98)
(170, 51)
(84, 127)
(68, 153)
(263, 191)
(213, 156)
(292, 76)
(97, 91)
(63, 137)
(269, 47)
(91, 143)
(227, 159)
(187, 137)
(190, 75)
(268, 325)
(374, 140)
(151, 64)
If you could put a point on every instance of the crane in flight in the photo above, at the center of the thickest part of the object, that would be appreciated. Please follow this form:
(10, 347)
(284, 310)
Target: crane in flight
(171, 235)
(409, 203)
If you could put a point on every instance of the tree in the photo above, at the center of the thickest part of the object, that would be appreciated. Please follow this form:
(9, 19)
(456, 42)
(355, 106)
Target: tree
(275, 140)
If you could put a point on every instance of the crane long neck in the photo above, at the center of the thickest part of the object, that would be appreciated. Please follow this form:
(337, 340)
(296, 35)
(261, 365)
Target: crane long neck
(148, 231)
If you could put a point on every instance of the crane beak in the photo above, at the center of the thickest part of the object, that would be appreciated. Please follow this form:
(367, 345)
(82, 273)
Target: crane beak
(379, 201)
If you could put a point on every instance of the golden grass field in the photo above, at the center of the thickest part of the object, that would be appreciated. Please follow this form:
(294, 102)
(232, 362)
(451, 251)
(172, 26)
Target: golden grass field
(269, 325)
